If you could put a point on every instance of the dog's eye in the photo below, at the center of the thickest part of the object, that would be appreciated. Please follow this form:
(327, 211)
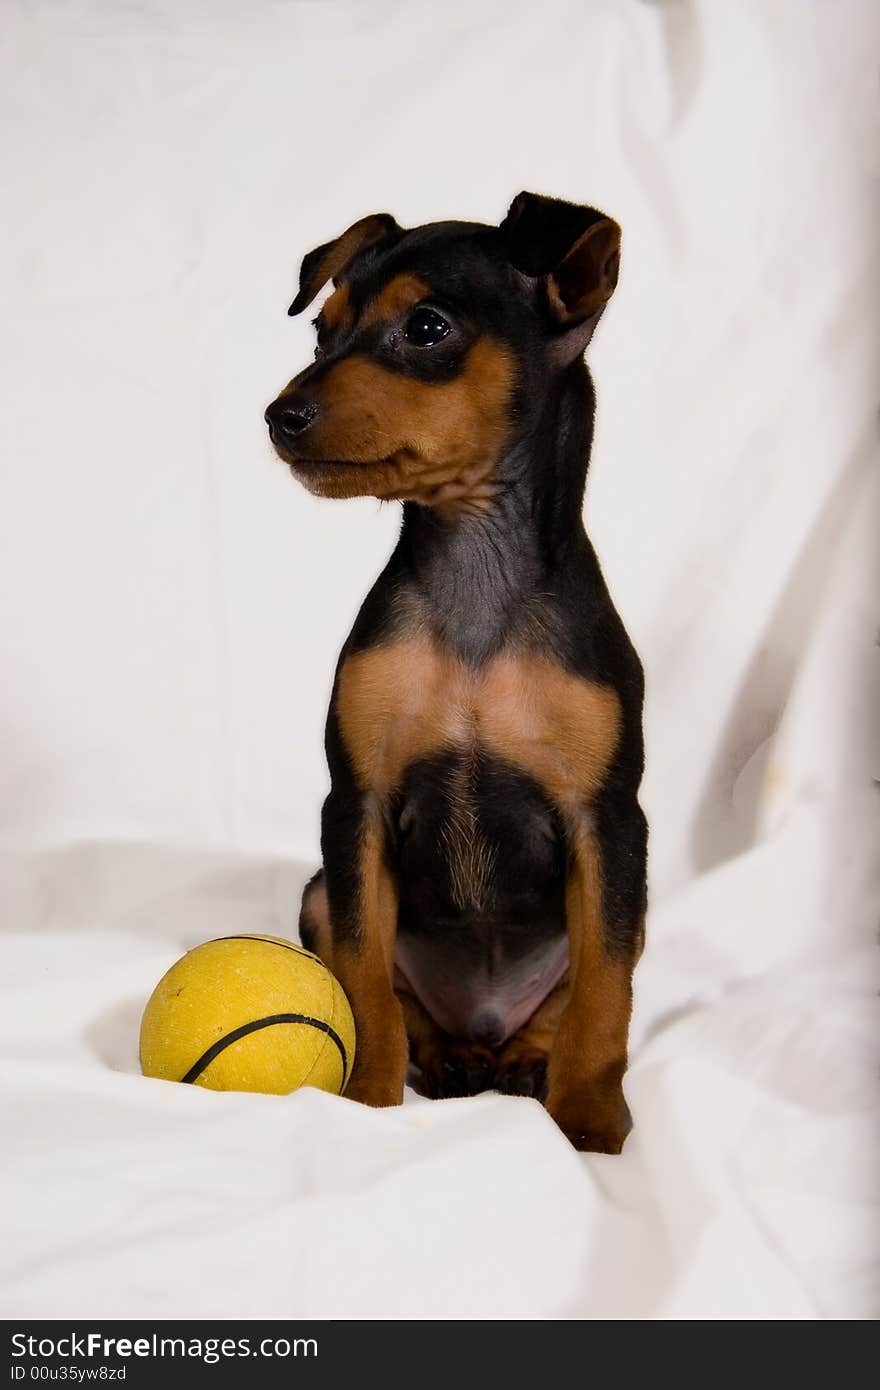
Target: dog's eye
(425, 327)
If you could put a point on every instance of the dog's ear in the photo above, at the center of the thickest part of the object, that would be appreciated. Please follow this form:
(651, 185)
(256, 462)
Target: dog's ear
(574, 250)
(328, 262)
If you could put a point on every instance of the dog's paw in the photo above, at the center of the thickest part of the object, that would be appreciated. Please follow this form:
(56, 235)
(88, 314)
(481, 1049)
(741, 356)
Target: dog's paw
(522, 1072)
(596, 1141)
(379, 1072)
(454, 1069)
(593, 1127)
(376, 1091)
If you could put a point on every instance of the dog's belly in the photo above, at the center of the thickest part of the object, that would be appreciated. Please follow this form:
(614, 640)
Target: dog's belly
(484, 1000)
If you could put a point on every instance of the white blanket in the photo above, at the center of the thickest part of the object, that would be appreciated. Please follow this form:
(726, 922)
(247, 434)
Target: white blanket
(171, 605)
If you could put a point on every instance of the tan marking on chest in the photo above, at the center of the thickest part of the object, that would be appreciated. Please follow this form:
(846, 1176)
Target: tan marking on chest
(405, 700)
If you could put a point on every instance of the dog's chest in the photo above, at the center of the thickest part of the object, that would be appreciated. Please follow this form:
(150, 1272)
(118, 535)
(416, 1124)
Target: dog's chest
(408, 699)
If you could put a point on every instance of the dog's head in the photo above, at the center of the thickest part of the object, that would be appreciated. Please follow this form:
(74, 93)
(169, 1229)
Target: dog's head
(426, 344)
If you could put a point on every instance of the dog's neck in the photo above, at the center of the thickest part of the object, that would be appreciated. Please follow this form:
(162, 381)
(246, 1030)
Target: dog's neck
(481, 576)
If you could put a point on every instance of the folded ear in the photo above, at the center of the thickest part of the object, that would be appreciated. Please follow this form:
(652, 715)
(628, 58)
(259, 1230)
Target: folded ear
(328, 262)
(575, 250)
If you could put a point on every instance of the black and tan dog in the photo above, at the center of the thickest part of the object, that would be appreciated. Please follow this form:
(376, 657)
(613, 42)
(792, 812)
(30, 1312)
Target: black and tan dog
(482, 898)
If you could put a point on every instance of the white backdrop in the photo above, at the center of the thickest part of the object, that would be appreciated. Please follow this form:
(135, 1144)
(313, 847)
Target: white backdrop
(171, 607)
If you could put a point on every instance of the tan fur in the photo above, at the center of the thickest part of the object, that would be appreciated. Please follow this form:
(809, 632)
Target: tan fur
(365, 969)
(404, 700)
(589, 1052)
(401, 293)
(383, 434)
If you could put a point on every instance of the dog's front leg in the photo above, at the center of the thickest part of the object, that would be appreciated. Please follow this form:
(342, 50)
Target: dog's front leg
(362, 902)
(589, 1053)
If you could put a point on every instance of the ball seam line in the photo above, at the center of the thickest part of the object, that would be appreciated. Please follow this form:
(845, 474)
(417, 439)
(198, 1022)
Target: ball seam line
(265, 941)
(221, 1044)
(299, 950)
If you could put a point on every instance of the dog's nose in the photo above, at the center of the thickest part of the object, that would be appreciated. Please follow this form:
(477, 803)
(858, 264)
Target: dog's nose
(289, 416)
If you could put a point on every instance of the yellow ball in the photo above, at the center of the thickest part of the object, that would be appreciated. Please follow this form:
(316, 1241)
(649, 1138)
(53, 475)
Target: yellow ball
(249, 1013)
